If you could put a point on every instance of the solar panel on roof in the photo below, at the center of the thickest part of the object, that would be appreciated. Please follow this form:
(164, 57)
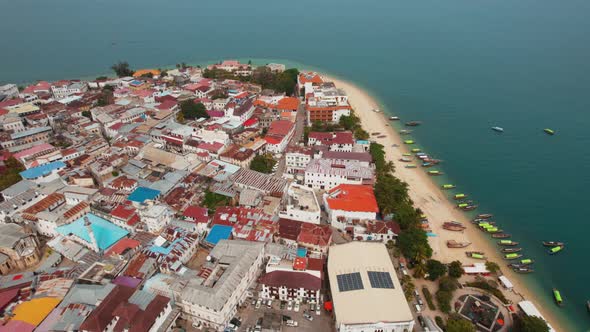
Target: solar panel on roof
(380, 279)
(349, 281)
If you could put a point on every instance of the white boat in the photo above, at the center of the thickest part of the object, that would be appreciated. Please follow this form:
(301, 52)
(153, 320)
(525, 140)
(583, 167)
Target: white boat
(393, 118)
(498, 129)
(376, 110)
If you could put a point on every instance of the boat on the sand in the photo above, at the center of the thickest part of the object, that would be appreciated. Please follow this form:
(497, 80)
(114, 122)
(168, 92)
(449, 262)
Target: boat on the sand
(410, 166)
(405, 160)
(475, 254)
(456, 244)
(454, 226)
(523, 270)
(507, 243)
(469, 208)
(501, 236)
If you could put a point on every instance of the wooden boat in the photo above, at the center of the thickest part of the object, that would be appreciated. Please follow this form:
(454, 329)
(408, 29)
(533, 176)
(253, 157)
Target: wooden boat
(376, 110)
(553, 243)
(517, 265)
(484, 216)
(512, 256)
(523, 270)
(393, 118)
(375, 133)
(507, 243)
(454, 226)
(498, 129)
(557, 297)
(448, 186)
(509, 250)
(427, 164)
(460, 196)
(416, 150)
(405, 160)
(527, 261)
(381, 136)
(475, 254)
(435, 173)
(479, 220)
(469, 208)
(413, 123)
(555, 250)
(549, 131)
(501, 236)
(410, 166)
(455, 244)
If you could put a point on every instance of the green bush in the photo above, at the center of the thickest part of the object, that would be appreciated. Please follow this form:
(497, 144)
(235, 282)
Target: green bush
(444, 300)
(428, 298)
(440, 322)
(489, 289)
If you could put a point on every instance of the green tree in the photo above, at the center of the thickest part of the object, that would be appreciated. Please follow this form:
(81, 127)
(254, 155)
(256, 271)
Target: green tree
(87, 114)
(492, 267)
(409, 289)
(456, 269)
(11, 174)
(192, 110)
(530, 324)
(122, 69)
(456, 323)
(413, 243)
(360, 133)
(435, 269)
(447, 283)
(263, 163)
(213, 200)
(443, 298)
(115, 173)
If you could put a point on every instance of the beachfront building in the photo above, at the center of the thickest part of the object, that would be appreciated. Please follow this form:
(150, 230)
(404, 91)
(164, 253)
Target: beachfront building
(212, 296)
(349, 204)
(63, 89)
(301, 204)
(366, 293)
(327, 174)
(342, 141)
(325, 103)
(18, 249)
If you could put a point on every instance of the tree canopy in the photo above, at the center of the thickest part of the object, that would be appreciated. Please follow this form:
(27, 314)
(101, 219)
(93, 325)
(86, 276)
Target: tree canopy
(263, 163)
(456, 323)
(11, 174)
(414, 244)
(192, 110)
(435, 269)
(456, 269)
(122, 69)
(530, 324)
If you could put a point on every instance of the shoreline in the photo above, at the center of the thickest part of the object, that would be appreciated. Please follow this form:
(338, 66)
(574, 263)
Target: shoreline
(434, 203)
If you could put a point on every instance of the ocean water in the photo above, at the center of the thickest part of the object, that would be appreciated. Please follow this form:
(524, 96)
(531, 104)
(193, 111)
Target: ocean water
(459, 66)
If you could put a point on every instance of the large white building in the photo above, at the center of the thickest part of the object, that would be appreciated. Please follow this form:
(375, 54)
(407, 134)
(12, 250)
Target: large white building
(301, 205)
(296, 159)
(366, 293)
(155, 217)
(327, 174)
(64, 89)
(349, 204)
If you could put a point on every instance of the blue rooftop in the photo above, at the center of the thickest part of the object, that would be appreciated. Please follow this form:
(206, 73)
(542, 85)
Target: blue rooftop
(45, 169)
(219, 232)
(105, 233)
(164, 250)
(142, 194)
(302, 252)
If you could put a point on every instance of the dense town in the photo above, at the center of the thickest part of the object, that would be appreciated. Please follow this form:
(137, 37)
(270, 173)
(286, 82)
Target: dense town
(219, 198)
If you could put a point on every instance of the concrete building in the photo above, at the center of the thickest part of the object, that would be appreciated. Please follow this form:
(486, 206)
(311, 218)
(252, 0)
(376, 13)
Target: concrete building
(155, 217)
(301, 204)
(366, 293)
(347, 205)
(18, 249)
(327, 174)
(296, 160)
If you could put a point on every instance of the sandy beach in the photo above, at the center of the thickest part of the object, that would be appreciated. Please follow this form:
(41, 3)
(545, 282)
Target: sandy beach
(432, 200)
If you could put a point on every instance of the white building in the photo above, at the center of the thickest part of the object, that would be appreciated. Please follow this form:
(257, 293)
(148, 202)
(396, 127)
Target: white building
(327, 174)
(213, 295)
(211, 136)
(301, 205)
(155, 217)
(63, 89)
(9, 90)
(13, 122)
(366, 293)
(296, 159)
(348, 203)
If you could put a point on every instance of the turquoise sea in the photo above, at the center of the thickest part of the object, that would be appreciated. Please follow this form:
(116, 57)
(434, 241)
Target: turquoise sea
(459, 66)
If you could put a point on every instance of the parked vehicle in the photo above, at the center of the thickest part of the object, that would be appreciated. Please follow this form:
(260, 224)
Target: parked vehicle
(290, 305)
(292, 323)
(258, 303)
(296, 308)
(307, 316)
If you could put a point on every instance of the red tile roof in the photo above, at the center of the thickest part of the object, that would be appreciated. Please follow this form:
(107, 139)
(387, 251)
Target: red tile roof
(310, 77)
(167, 105)
(100, 317)
(280, 128)
(317, 235)
(197, 213)
(348, 197)
(122, 245)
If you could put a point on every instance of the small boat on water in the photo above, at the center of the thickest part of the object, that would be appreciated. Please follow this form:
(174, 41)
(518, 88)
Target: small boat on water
(393, 118)
(456, 244)
(469, 208)
(523, 270)
(557, 297)
(405, 160)
(527, 261)
(509, 250)
(493, 230)
(454, 226)
(405, 132)
(460, 196)
(507, 243)
(413, 123)
(475, 254)
(415, 150)
(435, 173)
(448, 186)
(588, 305)
(498, 129)
(555, 250)
(484, 216)
(406, 154)
(409, 141)
(553, 243)
(501, 236)
(512, 256)
(410, 166)
(549, 131)
(479, 220)
(517, 265)
(426, 165)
